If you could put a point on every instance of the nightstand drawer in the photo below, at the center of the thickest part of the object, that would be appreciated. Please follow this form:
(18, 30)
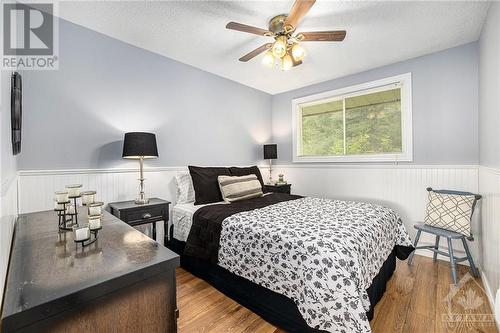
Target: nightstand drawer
(155, 210)
(277, 188)
(142, 215)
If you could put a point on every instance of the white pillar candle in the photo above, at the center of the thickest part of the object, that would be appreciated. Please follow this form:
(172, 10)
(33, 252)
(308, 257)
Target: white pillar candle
(62, 196)
(94, 222)
(81, 233)
(74, 190)
(88, 197)
(95, 208)
(70, 209)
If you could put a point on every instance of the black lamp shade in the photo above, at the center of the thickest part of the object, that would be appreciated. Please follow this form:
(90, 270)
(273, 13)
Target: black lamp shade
(271, 151)
(139, 144)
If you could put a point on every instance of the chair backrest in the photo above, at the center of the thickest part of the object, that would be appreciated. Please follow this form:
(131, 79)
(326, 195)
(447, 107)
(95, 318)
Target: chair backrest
(477, 197)
(457, 224)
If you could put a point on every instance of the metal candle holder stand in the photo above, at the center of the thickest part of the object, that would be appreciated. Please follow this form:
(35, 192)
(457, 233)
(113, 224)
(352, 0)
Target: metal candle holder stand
(76, 210)
(61, 214)
(90, 240)
(63, 220)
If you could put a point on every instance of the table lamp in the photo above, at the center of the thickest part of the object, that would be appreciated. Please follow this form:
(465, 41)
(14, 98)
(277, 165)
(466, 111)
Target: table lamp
(140, 146)
(270, 153)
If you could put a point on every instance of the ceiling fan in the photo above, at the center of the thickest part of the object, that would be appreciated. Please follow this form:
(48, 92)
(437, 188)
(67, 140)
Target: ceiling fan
(286, 46)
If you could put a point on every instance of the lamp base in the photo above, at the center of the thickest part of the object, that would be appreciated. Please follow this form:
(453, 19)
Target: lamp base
(141, 202)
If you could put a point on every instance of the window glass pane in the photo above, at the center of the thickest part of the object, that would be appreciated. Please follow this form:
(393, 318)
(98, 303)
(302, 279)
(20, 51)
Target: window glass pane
(323, 129)
(373, 123)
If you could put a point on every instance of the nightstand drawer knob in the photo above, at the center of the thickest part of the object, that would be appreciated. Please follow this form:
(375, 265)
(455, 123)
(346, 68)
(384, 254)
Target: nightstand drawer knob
(146, 216)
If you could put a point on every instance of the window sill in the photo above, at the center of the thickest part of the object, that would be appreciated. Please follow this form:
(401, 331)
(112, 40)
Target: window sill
(354, 158)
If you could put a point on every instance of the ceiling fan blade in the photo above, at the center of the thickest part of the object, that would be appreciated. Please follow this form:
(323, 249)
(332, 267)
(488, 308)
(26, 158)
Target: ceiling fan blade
(298, 11)
(248, 28)
(255, 52)
(322, 36)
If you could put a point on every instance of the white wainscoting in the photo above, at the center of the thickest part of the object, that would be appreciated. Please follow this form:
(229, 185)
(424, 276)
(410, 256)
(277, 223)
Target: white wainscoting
(36, 188)
(8, 202)
(401, 187)
(489, 186)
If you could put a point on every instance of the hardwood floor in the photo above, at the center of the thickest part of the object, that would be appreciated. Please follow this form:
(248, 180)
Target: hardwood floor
(415, 301)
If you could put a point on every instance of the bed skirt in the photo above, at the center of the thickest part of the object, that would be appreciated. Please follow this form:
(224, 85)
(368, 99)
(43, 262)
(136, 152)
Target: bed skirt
(275, 308)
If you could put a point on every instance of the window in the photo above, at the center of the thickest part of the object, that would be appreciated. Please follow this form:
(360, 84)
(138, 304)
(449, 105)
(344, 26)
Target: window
(370, 122)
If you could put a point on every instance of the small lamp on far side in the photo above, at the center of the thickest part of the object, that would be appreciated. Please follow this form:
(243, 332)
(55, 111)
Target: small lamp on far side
(270, 153)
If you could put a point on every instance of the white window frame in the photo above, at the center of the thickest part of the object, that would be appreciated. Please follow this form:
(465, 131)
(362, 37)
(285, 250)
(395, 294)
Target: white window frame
(403, 81)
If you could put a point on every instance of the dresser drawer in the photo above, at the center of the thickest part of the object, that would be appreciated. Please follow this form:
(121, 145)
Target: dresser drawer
(143, 215)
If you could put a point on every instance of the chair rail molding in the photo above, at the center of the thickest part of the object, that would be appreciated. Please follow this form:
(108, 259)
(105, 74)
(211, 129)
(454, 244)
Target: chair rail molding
(22, 173)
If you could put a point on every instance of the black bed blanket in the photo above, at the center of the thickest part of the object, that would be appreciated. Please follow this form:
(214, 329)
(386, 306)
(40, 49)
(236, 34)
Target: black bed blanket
(204, 236)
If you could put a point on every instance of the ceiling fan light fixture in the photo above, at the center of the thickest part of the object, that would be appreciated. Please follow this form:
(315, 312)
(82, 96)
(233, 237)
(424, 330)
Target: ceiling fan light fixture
(268, 59)
(286, 62)
(279, 47)
(285, 50)
(298, 52)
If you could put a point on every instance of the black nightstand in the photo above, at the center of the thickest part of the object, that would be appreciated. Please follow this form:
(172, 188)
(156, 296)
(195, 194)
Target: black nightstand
(134, 214)
(285, 188)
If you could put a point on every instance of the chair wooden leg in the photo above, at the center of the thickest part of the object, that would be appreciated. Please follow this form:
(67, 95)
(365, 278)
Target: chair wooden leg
(452, 261)
(436, 246)
(473, 267)
(410, 259)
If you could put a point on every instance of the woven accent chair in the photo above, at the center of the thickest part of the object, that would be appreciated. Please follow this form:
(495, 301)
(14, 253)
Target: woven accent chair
(450, 235)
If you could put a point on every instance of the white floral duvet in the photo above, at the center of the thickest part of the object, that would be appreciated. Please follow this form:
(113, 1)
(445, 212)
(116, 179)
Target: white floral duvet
(323, 254)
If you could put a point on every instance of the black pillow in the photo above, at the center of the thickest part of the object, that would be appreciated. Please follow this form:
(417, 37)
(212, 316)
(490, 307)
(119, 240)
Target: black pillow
(205, 183)
(245, 171)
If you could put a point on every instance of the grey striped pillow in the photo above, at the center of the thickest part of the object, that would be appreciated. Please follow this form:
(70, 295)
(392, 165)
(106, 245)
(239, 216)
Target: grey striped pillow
(235, 188)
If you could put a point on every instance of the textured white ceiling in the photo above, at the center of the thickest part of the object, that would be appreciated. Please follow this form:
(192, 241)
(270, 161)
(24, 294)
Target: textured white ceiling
(193, 32)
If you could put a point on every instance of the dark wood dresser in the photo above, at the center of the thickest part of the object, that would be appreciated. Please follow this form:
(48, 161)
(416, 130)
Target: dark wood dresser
(124, 282)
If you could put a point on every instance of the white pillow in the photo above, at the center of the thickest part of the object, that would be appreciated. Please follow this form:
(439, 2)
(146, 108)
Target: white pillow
(185, 189)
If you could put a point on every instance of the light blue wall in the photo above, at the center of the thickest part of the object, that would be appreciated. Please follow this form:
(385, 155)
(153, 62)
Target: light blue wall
(8, 178)
(76, 117)
(489, 90)
(8, 167)
(445, 105)
(489, 148)
(105, 87)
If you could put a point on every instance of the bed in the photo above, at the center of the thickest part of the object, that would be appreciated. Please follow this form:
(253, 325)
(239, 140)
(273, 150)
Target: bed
(302, 264)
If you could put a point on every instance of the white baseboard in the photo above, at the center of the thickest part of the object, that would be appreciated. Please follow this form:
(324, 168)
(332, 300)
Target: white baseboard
(489, 294)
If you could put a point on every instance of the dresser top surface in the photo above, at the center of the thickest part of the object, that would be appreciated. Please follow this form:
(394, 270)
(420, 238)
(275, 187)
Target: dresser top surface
(46, 267)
